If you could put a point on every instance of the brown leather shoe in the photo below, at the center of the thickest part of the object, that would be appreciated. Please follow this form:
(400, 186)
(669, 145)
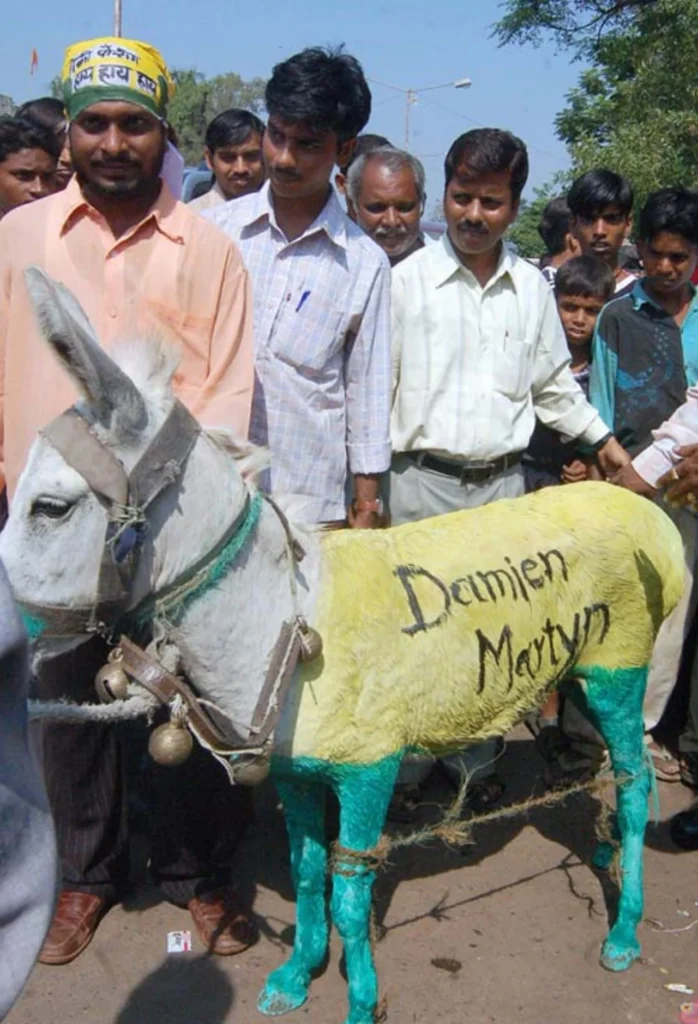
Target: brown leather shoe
(221, 921)
(74, 923)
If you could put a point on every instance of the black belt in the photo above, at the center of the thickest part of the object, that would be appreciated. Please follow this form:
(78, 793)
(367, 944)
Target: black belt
(473, 470)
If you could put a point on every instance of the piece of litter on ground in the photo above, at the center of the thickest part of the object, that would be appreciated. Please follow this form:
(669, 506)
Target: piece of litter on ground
(444, 963)
(683, 913)
(683, 990)
(180, 942)
(663, 970)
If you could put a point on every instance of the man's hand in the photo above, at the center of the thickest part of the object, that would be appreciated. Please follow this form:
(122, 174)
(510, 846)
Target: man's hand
(575, 472)
(361, 520)
(681, 481)
(630, 479)
(612, 456)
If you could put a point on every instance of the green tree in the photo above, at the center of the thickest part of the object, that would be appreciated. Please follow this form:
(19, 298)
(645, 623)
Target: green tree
(524, 231)
(635, 109)
(198, 99)
(577, 25)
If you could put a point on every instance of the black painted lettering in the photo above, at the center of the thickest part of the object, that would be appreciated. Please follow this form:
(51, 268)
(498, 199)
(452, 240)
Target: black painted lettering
(523, 663)
(595, 611)
(456, 587)
(528, 566)
(539, 644)
(501, 577)
(549, 631)
(407, 573)
(571, 643)
(474, 591)
(545, 559)
(517, 577)
(501, 652)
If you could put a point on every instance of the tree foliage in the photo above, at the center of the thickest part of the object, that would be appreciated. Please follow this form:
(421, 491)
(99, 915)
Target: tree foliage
(524, 231)
(635, 109)
(577, 25)
(197, 100)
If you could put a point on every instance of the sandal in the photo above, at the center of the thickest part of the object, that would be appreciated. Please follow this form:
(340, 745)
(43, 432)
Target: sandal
(666, 766)
(688, 769)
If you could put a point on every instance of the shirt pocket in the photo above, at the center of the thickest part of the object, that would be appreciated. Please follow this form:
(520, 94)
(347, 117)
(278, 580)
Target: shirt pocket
(309, 337)
(188, 332)
(514, 374)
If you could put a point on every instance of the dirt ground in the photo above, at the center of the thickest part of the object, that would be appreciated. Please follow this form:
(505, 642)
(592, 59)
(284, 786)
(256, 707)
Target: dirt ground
(507, 931)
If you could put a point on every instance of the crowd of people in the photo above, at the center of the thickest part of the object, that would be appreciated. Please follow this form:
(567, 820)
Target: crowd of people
(392, 375)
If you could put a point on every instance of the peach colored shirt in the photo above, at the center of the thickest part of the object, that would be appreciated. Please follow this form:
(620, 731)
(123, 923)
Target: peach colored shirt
(173, 276)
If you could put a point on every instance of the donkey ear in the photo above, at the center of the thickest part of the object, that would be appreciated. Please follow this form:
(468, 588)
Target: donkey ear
(114, 398)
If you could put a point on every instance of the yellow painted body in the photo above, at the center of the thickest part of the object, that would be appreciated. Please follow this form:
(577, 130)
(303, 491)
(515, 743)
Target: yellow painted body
(449, 630)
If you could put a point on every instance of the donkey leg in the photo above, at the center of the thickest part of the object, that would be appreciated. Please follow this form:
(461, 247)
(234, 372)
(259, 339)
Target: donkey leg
(364, 795)
(615, 699)
(304, 807)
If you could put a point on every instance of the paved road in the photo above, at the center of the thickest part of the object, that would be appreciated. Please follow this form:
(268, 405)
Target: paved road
(521, 913)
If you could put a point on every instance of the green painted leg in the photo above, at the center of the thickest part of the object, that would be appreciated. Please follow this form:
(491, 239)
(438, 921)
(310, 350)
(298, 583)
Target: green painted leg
(615, 699)
(364, 796)
(304, 806)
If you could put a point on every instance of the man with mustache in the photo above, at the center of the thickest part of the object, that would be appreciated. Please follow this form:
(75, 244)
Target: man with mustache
(478, 354)
(386, 194)
(140, 264)
(321, 289)
(234, 156)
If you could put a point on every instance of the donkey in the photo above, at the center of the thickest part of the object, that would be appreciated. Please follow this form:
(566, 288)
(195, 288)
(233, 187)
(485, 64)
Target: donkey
(436, 634)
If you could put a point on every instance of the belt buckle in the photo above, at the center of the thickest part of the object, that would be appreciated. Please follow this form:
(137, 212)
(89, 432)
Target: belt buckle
(477, 474)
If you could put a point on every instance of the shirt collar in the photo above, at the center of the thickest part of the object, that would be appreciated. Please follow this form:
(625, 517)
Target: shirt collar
(641, 297)
(167, 213)
(445, 263)
(331, 219)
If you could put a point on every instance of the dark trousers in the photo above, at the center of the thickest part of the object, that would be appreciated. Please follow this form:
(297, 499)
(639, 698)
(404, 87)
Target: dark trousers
(197, 817)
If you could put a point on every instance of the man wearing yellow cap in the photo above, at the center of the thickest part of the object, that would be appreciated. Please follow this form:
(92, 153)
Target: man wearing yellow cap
(140, 263)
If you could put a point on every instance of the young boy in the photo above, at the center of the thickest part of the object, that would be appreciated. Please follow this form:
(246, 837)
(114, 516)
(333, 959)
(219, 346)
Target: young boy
(645, 355)
(560, 243)
(601, 205)
(234, 157)
(28, 155)
(583, 285)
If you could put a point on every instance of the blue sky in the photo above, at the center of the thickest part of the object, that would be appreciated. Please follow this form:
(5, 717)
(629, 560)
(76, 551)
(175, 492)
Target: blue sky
(409, 43)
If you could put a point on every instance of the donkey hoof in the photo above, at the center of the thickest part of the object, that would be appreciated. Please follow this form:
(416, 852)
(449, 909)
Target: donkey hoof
(615, 957)
(281, 994)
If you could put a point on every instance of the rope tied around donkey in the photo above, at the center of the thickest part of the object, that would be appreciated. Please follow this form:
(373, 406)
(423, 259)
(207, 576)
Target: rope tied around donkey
(454, 831)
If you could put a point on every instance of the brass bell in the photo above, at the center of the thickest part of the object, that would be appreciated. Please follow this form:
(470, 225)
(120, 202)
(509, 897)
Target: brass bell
(111, 682)
(170, 744)
(311, 643)
(250, 771)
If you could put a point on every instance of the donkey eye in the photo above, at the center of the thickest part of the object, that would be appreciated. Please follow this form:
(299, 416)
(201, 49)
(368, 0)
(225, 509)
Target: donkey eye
(50, 508)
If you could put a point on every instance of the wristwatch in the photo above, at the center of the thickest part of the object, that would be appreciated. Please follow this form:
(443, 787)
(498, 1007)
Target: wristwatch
(362, 505)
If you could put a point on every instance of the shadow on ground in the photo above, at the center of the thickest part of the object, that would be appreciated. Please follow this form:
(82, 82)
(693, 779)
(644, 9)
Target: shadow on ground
(170, 993)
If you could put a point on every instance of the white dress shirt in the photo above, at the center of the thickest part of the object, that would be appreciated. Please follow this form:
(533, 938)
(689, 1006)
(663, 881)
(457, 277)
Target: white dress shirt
(679, 430)
(474, 366)
(322, 350)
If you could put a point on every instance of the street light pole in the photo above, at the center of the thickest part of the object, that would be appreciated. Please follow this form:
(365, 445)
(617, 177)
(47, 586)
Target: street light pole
(117, 18)
(411, 96)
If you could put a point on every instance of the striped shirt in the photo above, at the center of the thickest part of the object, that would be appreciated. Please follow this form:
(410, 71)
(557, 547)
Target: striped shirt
(322, 350)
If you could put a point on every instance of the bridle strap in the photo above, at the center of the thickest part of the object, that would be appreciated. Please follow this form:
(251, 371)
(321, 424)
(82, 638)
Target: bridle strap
(72, 437)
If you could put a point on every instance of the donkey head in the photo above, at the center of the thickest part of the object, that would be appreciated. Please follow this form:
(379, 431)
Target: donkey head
(55, 535)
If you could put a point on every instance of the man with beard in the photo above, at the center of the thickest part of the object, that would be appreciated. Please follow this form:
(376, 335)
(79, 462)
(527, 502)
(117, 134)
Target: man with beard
(322, 347)
(140, 264)
(385, 196)
(478, 354)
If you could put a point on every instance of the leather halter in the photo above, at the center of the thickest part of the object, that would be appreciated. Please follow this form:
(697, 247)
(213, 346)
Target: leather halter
(126, 497)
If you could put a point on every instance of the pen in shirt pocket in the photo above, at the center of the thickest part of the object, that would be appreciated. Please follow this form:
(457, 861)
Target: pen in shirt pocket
(304, 296)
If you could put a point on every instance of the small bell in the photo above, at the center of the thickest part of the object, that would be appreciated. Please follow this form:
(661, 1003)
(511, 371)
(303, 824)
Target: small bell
(311, 643)
(170, 744)
(250, 771)
(111, 682)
